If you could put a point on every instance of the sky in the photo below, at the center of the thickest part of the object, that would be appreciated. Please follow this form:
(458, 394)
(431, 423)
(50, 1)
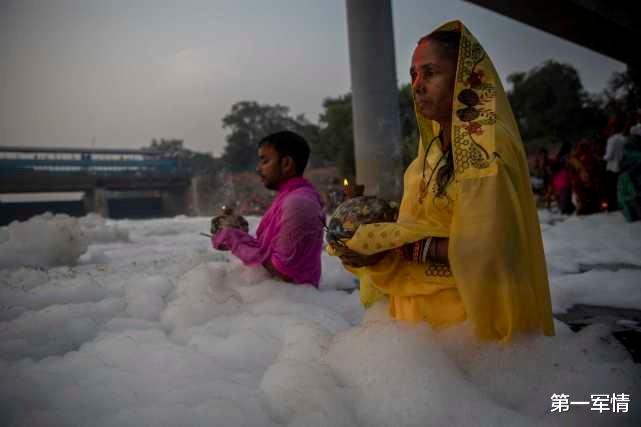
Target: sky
(116, 74)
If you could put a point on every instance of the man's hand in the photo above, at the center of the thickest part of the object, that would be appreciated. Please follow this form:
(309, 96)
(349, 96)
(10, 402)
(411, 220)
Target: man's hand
(222, 222)
(220, 247)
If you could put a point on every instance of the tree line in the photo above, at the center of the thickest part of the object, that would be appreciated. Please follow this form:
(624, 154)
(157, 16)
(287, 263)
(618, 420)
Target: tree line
(549, 102)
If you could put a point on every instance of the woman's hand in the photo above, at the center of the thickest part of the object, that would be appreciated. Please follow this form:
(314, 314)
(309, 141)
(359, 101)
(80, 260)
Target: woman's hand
(351, 258)
(434, 249)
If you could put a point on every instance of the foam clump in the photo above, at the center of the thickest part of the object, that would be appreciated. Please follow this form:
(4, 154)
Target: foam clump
(97, 230)
(145, 296)
(43, 241)
(592, 241)
(200, 297)
(402, 374)
(48, 240)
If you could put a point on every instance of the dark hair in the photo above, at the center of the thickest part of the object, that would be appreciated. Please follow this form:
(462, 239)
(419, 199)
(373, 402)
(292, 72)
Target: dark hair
(449, 42)
(288, 143)
(445, 173)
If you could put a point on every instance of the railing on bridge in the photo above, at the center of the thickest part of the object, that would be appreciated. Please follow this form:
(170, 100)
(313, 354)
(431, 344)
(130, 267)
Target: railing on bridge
(95, 162)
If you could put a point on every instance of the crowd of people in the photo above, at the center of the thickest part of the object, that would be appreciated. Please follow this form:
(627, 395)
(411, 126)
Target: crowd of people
(594, 175)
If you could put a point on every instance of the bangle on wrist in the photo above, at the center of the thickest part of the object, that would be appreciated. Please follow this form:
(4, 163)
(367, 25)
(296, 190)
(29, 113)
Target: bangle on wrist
(420, 251)
(416, 252)
(427, 245)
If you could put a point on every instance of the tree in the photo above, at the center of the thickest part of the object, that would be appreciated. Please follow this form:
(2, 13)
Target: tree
(197, 163)
(550, 105)
(204, 163)
(331, 142)
(249, 122)
(336, 134)
(170, 147)
(311, 132)
(624, 90)
(409, 129)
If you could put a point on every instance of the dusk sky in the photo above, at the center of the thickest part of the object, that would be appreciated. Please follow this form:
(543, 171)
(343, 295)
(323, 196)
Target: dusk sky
(124, 72)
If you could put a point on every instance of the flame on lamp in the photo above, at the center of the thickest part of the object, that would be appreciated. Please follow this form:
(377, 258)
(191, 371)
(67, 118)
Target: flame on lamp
(345, 182)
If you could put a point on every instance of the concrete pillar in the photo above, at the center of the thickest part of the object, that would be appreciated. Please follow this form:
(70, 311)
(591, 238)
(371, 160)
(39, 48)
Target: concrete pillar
(196, 200)
(202, 191)
(96, 201)
(377, 129)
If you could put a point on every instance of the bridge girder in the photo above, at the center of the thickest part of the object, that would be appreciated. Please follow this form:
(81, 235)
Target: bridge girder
(607, 27)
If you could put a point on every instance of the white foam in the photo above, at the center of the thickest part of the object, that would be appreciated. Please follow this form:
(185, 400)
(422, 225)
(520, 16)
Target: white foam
(159, 329)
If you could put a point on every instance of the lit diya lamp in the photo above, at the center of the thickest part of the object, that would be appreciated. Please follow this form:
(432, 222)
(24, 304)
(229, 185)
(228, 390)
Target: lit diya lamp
(352, 190)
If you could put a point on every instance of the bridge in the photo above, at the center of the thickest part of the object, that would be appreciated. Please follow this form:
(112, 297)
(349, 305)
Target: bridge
(603, 26)
(114, 181)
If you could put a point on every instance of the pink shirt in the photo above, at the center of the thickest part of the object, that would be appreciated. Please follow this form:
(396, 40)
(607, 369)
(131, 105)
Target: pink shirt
(290, 234)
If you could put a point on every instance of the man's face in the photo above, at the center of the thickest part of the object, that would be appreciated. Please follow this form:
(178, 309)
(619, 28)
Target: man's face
(269, 166)
(432, 74)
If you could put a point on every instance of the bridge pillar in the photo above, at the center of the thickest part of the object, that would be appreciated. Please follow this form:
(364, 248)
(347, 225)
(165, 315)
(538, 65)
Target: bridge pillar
(203, 192)
(175, 202)
(377, 127)
(96, 201)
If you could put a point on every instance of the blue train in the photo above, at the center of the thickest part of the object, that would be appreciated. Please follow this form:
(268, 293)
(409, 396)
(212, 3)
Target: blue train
(29, 160)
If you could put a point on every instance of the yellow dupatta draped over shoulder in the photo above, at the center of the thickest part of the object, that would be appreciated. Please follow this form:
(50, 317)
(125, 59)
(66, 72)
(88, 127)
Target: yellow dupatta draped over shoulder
(497, 276)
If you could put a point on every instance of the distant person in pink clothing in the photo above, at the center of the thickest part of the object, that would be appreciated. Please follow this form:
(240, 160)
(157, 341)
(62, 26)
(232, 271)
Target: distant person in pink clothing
(562, 188)
(289, 238)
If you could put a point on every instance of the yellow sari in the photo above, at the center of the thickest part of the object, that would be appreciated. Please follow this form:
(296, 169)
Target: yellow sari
(497, 276)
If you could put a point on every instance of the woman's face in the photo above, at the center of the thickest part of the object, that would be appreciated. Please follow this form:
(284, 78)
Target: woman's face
(433, 73)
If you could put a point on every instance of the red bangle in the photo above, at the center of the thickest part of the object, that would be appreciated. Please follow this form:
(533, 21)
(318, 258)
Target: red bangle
(416, 256)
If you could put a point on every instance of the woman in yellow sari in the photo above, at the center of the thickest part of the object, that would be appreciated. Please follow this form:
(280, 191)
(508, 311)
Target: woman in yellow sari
(467, 242)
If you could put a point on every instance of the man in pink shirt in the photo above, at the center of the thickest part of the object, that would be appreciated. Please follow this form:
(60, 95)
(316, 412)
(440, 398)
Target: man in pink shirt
(289, 238)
